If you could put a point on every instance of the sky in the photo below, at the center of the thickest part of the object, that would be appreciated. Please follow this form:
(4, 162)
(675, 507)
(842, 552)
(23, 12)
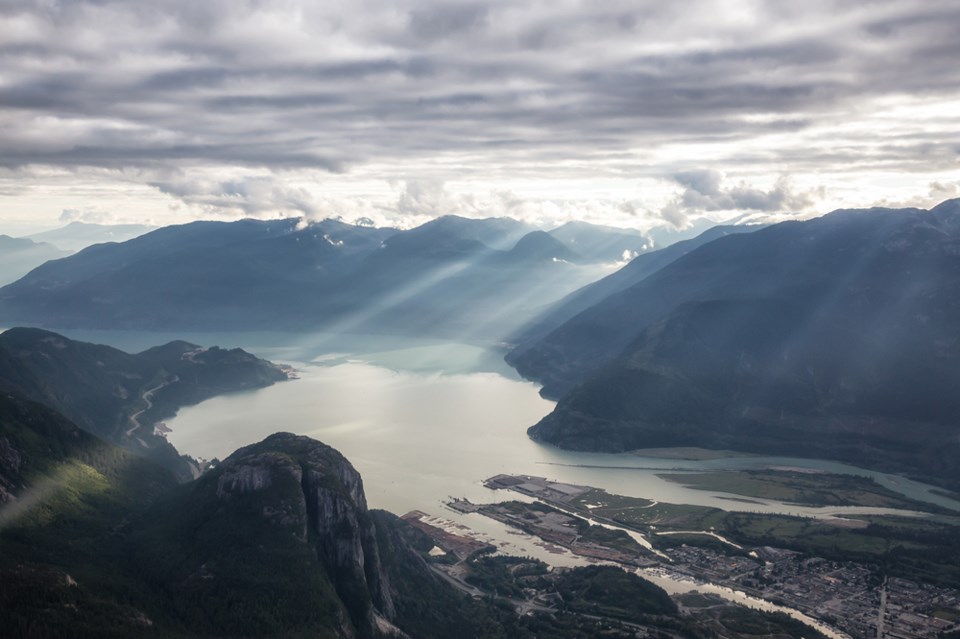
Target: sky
(633, 114)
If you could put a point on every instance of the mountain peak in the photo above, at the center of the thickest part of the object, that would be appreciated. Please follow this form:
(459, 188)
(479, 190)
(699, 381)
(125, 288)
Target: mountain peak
(540, 245)
(299, 485)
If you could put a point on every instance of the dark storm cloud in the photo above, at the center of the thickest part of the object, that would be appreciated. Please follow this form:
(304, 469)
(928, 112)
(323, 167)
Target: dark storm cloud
(150, 154)
(278, 85)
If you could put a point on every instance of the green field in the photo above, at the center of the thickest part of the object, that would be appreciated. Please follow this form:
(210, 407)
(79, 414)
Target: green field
(636, 511)
(912, 547)
(806, 488)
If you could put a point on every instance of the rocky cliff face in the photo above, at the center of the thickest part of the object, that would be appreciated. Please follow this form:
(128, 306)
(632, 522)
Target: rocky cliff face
(10, 461)
(301, 488)
(276, 541)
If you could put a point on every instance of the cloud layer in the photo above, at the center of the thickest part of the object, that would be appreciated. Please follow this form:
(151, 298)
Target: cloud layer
(264, 106)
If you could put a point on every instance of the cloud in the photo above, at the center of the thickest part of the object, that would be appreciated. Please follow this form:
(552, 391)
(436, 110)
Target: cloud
(937, 192)
(492, 93)
(253, 196)
(703, 191)
(429, 198)
(91, 216)
(940, 191)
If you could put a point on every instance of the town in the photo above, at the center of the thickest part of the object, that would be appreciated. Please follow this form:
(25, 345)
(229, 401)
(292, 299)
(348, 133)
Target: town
(855, 599)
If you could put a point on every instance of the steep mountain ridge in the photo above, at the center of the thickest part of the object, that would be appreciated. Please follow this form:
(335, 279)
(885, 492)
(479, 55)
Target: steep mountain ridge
(37, 443)
(542, 245)
(835, 337)
(286, 504)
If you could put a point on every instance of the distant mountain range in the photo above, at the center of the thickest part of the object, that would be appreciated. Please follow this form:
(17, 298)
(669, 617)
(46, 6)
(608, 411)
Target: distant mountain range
(452, 276)
(835, 337)
(19, 256)
(76, 236)
(597, 243)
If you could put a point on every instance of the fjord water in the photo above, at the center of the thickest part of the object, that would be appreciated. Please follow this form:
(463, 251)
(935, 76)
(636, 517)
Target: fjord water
(424, 421)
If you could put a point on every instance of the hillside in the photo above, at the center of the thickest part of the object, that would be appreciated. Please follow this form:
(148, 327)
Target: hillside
(118, 396)
(835, 337)
(637, 269)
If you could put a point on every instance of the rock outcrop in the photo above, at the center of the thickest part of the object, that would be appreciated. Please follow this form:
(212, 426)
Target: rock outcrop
(302, 487)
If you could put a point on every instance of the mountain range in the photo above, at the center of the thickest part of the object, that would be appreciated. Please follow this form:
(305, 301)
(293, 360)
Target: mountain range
(834, 337)
(452, 276)
(19, 256)
(76, 236)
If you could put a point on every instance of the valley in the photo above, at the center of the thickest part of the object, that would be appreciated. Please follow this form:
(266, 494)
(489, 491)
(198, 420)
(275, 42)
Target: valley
(415, 460)
(716, 427)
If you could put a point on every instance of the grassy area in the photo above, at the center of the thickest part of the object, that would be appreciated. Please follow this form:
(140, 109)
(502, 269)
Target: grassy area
(532, 516)
(816, 537)
(947, 614)
(910, 547)
(737, 622)
(812, 489)
(917, 549)
(636, 511)
(615, 539)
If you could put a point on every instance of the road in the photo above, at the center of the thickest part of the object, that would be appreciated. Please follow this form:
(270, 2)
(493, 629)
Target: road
(146, 397)
(882, 612)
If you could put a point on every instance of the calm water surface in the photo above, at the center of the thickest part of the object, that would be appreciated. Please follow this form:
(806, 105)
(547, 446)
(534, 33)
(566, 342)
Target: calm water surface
(424, 420)
(420, 437)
